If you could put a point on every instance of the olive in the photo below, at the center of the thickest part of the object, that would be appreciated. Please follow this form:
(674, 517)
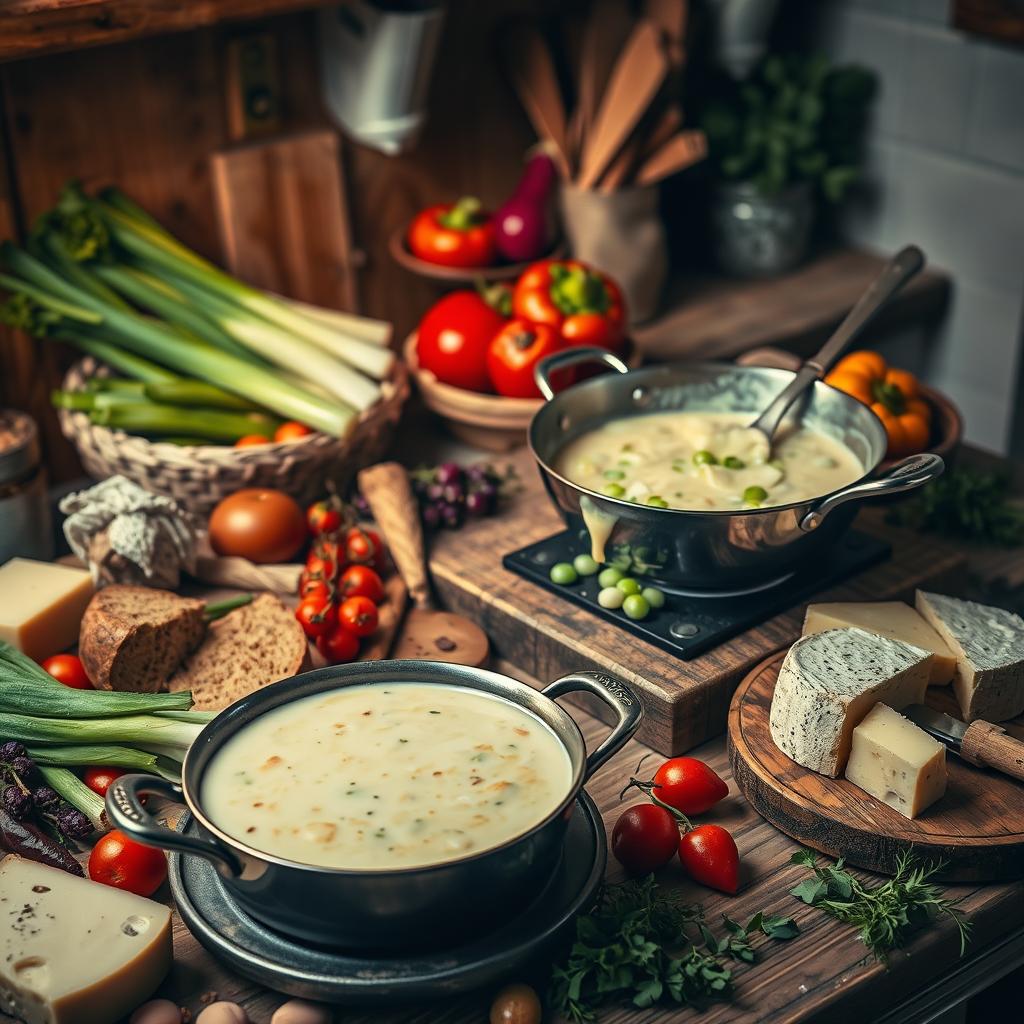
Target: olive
(613, 474)
(636, 607)
(516, 1004)
(585, 565)
(653, 596)
(609, 577)
(614, 490)
(610, 597)
(656, 501)
(563, 574)
(704, 458)
(754, 495)
(731, 462)
(628, 585)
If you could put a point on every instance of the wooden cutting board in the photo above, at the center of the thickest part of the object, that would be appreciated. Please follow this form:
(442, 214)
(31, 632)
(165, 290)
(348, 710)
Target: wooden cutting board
(977, 828)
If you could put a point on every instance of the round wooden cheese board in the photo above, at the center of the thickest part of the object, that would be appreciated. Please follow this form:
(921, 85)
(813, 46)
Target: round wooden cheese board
(976, 828)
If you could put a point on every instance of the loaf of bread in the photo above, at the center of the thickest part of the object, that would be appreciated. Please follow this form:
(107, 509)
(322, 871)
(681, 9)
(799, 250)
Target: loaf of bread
(250, 647)
(133, 638)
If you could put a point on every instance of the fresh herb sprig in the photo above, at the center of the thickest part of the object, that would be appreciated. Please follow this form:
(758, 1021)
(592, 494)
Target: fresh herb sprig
(965, 503)
(636, 945)
(885, 914)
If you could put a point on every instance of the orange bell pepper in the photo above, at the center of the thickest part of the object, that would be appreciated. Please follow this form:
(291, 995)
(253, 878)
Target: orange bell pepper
(894, 396)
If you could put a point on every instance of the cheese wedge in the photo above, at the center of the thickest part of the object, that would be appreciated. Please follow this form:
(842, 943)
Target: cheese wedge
(896, 762)
(74, 951)
(41, 605)
(989, 648)
(893, 619)
(830, 681)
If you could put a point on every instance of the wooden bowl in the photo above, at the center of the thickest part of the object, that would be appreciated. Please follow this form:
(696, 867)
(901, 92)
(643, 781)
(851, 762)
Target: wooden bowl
(460, 275)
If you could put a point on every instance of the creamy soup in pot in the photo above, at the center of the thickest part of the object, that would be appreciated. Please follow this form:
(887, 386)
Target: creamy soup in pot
(386, 775)
(706, 460)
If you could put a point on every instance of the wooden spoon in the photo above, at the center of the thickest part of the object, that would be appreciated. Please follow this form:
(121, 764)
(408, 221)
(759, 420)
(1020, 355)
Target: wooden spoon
(682, 150)
(427, 632)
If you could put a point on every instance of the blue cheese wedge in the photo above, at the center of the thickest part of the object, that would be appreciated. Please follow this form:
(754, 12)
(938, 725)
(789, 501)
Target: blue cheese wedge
(74, 951)
(830, 681)
(988, 644)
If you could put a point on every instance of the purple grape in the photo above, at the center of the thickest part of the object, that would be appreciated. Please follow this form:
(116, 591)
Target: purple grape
(478, 504)
(23, 766)
(431, 516)
(73, 823)
(361, 505)
(435, 492)
(489, 491)
(10, 750)
(448, 473)
(478, 473)
(419, 485)
(44, 797)
(451, 515)
(17, 803)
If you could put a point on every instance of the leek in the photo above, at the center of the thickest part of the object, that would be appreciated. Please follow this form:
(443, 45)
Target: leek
(194, 392)
(70, 787)
(376, 332)
(149, 418)
(118, 358)
(169, 733)
(101, 755)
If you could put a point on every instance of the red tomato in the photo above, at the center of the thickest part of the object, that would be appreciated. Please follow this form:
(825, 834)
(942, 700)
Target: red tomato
(359, 614)
(364, 547)
(316, 616)
(362, 581)
(250, 439)
(125, 864)
(516, 349)
(341, 644)
(710, 857)
(69, 670)
(320, 568)
(99, 779)
(688, 785)
(645, 838)
(258, 523)
(292, 430)
(323, 517)
(454, 337)
(318, 589)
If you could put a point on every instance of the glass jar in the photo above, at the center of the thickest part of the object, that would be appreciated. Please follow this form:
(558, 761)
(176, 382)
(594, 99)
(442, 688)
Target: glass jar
(26, 528)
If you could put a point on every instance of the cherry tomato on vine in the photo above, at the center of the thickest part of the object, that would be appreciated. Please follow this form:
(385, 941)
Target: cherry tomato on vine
(125, 864)
(314, 588)
(316, 616)
(69, 670)
(362, 581)
(364, 547)
(709, 855)
(323, 517)
(99, 779)
(340, 645)
(320, 568)
(688, 785)
(359, 614)
(645, 838)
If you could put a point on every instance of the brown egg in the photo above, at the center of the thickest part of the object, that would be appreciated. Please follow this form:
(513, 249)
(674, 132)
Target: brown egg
(223, 1013)
(298, 1011)
(516, 1004)
(157, 1011)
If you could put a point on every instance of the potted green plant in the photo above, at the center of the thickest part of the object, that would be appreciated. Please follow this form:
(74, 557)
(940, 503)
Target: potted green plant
(790, 135)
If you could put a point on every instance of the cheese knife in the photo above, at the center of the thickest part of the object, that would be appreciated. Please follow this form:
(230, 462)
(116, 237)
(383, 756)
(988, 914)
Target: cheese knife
(980, 743)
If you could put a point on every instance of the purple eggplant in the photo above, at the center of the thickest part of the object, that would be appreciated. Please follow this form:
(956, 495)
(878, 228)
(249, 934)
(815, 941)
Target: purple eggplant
(24, 838)
(523, 223)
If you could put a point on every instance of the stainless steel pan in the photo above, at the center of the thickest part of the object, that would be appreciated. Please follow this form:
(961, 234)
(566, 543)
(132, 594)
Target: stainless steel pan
(710, 550)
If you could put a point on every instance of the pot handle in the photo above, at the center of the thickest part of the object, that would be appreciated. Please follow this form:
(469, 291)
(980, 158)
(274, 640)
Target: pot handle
(907, 474)
(125, 811)
(546, 368)
(619, 697)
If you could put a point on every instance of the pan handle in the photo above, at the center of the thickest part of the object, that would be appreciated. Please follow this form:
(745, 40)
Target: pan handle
(545, 369)
(907, 474)
(125, 811)
(619, 697)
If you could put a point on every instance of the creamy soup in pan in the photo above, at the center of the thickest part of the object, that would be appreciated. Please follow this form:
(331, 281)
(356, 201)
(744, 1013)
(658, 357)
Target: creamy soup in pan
(705, 460)
(386, 775)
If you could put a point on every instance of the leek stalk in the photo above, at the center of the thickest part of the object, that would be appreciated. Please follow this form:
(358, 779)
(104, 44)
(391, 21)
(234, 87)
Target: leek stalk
(70, 787)
(100, 755)
(118, 358)
(149, 418)
(133, 730)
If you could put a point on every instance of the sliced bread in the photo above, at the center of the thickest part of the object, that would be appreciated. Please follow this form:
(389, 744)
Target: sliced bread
(133, 638)
(250, 647)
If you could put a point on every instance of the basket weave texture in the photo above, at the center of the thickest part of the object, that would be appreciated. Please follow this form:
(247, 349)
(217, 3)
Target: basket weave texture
(199, 476)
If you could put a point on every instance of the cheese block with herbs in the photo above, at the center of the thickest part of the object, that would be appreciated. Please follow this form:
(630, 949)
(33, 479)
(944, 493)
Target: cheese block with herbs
(893, 619)
(74, 951)
(828, 683)
(989, 648)
(41, 605)
(896, 762)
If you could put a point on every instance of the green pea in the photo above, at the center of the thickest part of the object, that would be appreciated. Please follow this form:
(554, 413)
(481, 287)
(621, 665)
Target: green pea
(653, 596)
(585, 565)
(731, 462)
(704, 458)
(636, 607)
(754, 495)
(610, 576)
(614, 490)
(656, 501)
(628, 585)
(563, 574)
(610, 597)
(613, 474)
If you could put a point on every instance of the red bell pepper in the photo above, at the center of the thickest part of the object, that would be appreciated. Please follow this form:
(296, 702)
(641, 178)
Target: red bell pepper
(582, 304)
(456, 235)
(515, 351)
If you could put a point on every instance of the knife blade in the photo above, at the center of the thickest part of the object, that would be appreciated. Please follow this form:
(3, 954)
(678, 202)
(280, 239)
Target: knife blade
(979, 743)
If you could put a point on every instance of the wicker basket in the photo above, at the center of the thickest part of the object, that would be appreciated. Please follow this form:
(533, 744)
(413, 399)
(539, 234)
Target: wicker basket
(199, 476)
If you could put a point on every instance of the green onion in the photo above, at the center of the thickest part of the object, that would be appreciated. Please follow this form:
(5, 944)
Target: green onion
(70, 787)
(131, 729)
(102, 755)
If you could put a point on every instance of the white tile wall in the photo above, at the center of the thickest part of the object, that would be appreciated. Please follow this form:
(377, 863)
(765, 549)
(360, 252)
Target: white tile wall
(946, 170)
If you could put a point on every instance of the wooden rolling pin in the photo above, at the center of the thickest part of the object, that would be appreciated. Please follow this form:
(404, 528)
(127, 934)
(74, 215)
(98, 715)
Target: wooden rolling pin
(428, 632)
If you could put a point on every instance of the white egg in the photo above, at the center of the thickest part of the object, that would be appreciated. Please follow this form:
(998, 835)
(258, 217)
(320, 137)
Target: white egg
(298, 1011)
(223, 1013)
(157, 1011)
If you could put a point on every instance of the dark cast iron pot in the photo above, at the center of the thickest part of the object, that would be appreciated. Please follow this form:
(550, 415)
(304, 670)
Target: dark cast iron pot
(381, 909)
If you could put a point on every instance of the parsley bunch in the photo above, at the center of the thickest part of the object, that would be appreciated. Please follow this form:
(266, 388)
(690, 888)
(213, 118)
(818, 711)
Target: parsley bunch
(885, 914)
